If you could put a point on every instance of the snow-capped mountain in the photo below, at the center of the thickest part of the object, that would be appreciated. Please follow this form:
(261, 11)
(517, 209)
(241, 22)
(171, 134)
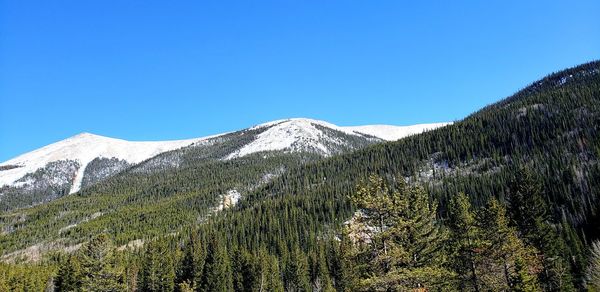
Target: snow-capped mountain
(297, 135)
(83, 149)
(85, 159)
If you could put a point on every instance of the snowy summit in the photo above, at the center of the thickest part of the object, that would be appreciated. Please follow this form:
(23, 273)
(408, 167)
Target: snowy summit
(300, 134)
(65, 162)
(84, 148)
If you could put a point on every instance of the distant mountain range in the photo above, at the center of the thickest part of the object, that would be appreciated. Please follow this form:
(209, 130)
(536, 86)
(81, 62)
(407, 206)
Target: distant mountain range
(80, 161)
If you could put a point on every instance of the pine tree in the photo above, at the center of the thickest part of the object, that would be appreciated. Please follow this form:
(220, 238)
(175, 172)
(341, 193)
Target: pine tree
(502, 251)
(575, 247)
(245, 271)
(343, 263)
(192, 262)
(4, 283)
(406, 251)
(185, 286)
(529, 212)
(271, 278)
(522, 280)
(68, 277)
(217, 268)
(132, 274)
(463, 241)
(528, 209)
(98, 270)
(157, 273)
(297, 274)
(319, 276)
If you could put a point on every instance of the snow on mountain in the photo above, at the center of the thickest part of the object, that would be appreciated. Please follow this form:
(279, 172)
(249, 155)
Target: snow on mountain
(291, 135)
(84, 148)
(301, 134)
(392, 133)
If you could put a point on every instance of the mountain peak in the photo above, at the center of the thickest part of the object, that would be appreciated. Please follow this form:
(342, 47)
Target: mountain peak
(85, 135)
(84, 148)
(289, 135)
(293, 135)
(305, 134)
(297, 121)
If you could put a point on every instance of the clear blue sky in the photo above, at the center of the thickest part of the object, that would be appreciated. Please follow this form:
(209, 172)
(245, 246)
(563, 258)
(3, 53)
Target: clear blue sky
(153, 70)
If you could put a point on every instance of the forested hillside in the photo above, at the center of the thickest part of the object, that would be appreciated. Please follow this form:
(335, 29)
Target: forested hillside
(550, 127)
(81, 161)
(190, 182)
(506, 199)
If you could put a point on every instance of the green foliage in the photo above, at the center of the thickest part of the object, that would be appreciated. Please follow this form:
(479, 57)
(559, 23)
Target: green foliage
(98, 269)
(463, 242)
(319, 271)
(522, 279)
(185, 286)
(25, 277)
(506, 261)
(530, 215)
(158, 271)
(192, 263)
(271, 276)
(528, 207)
(69, 275)
(406, 246)
(296, 272)
(246, 271)
(342, 265)
(217, 270)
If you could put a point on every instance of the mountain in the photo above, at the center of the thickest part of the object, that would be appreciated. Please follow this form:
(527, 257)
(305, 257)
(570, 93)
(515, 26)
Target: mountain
(67, 166)
(82, 149)
(307, 135)
(277, 199)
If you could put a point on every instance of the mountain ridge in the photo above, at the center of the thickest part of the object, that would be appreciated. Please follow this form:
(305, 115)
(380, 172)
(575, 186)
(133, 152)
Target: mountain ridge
(66, 166)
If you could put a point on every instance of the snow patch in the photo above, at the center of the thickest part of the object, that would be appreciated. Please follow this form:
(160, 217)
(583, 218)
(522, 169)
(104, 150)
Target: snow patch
(229, 200)
(392, 133)
(301, 134)
(84, 148)
(284, 135)
(294, 135)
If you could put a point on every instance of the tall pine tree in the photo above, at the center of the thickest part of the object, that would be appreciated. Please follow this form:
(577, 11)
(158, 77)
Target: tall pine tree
(506, 260)
(297, 273)
(158, 272)
(68, 277)
(98, 270)
(216, 274)
(192, 262)
(464, 242)
(406, 248)
(530, 213)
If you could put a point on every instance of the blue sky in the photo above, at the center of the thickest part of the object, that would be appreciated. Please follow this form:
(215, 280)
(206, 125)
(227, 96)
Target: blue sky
(155, 70)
